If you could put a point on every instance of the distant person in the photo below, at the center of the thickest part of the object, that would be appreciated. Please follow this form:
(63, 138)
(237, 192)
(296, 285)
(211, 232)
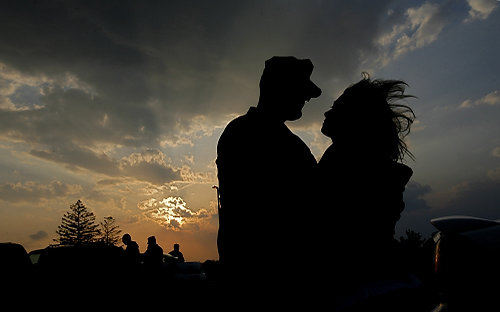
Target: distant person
(362, 179)
(176, 253)
(132, 254)
(153, 257)
(265, 174)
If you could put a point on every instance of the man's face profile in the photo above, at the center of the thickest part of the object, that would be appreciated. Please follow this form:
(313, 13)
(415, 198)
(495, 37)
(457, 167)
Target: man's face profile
(289, 98)
(295, 103)
(286, 86)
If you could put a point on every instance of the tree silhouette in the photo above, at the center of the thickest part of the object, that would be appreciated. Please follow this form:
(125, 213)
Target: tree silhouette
(110, 232)
(417, 254)
(77, 226)
(412, 239)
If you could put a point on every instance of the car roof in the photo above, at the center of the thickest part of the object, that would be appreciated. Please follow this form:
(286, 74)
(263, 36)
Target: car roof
(460, 224)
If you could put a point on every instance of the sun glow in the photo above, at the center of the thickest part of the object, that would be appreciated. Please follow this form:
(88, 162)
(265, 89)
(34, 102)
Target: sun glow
(171, 211)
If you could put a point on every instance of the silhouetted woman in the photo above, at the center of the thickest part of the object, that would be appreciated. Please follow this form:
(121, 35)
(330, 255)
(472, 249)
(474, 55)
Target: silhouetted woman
(361, 177)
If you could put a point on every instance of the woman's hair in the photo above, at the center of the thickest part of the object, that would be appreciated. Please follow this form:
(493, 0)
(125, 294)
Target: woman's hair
(383, 118)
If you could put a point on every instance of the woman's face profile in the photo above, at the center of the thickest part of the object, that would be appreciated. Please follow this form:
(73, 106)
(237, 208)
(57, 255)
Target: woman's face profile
(334, 117)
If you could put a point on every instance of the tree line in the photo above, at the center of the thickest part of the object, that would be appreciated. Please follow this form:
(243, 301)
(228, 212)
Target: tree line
(78, 227)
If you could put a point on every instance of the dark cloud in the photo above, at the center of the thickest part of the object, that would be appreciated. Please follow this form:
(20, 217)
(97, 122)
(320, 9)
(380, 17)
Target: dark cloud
(150, 165)
(33, 191)
(417, 212)
(39, 235)
(76, 117)
(80, 158)
(147, 67)
(413, 196)
(87, 76)
(109, 182)
(478, 198)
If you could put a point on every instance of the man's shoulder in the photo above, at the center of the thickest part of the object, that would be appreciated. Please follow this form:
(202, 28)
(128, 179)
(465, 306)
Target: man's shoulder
(241, 123)
(239, 132)
(254, 133)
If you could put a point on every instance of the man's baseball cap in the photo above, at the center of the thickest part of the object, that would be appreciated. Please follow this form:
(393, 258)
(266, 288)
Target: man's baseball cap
(289, 72)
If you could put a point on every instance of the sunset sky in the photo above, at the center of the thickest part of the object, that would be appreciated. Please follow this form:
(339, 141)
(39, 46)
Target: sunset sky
(120, 104)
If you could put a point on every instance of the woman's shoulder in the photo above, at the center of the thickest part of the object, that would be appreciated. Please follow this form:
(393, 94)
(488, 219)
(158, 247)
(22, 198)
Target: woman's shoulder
(359, 164)
(386, 172)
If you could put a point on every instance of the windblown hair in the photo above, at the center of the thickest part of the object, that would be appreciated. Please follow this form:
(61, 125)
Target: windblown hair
(382, 114)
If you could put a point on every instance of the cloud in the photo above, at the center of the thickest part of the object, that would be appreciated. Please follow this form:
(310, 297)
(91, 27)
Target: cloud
(413, 196)
(149, 165)
(480, 9)
(39, 235)
(420, 27)
(78, 158)
(174, 213)
(165, 73)
(190, 176)
(492, 98)
(494, 174)
(31, 191)
(106, 182)
(75, 117)
(496, 152)
(171, 72)
(477, 198)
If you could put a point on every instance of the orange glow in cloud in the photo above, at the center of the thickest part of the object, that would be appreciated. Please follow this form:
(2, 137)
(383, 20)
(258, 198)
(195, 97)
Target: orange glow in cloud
(171, 212)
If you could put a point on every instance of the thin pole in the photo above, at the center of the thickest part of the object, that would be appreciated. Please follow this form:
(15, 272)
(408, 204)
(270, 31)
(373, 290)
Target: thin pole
(218, 197)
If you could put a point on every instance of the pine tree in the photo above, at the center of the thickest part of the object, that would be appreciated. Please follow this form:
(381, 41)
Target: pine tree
(78, 226)
(110, 232)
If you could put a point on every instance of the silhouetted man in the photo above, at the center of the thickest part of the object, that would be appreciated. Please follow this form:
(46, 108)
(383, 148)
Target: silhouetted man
(153, 257)
(132, 253)
(176, 253)
(264, 173)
